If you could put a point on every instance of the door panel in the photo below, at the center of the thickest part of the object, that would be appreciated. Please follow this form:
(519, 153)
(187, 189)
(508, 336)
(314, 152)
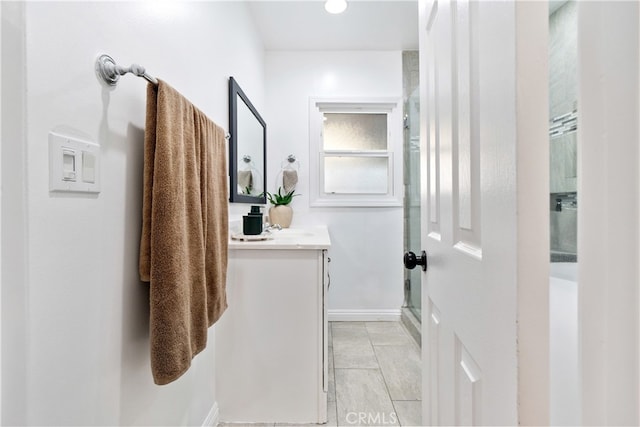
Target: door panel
(433, 140)
(468, 66)
(433, 346)
(453, 238)
(465, 126)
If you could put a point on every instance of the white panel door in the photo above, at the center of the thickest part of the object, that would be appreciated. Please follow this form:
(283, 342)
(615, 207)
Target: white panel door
(470, 182)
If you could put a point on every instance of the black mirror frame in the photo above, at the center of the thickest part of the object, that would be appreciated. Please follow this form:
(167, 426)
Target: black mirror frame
(234, 92)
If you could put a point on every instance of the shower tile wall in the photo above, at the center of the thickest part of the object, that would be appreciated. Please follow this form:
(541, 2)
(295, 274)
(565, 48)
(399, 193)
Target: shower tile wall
(563, 59)
(563, 87)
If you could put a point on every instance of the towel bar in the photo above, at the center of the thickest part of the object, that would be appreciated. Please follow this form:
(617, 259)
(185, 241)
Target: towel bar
(109, 72)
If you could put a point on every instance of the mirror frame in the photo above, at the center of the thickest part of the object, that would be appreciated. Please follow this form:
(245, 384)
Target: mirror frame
(236, 92)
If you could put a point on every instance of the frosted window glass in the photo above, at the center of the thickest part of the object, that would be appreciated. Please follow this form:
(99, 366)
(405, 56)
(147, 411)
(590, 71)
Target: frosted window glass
(355, 131)
(356, 175)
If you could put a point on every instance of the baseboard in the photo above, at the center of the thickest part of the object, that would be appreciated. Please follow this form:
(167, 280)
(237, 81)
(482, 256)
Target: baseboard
(392, 315)
(213, 417)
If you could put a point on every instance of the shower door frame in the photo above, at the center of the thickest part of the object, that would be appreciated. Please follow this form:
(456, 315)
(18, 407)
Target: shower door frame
(412, 278)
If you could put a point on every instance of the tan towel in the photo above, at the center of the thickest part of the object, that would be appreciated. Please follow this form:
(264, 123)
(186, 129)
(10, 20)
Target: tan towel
(183, 248)
(245, 181)
(289, 180)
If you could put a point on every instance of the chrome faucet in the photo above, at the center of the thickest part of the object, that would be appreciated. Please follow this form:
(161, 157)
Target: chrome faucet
(268, 227)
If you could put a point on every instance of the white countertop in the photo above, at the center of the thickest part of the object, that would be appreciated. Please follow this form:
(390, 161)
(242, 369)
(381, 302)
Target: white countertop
(316, 237)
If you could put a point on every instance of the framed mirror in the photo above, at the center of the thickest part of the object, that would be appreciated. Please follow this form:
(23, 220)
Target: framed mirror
(247, 149)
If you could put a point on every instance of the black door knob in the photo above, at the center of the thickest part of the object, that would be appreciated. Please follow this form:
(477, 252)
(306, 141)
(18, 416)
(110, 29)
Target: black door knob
(411, 260)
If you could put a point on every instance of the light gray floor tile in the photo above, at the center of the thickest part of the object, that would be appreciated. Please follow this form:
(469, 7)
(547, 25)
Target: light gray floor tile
(362, 398)
(330, 361)
(387, 333)
(337, 325)
(332, 414)
(330, 338)
(400, 366)
(246, 425)
(350, 334)
(353, 354)
(351, 346)
(331, 392)
(409, 412)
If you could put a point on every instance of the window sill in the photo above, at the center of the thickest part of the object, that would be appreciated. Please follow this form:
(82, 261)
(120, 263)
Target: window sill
(356, 203)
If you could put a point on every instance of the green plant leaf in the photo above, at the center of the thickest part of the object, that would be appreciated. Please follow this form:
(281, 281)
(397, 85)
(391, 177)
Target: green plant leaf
(278, 198)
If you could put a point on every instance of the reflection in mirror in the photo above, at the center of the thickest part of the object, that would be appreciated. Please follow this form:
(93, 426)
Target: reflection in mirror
(247, 148)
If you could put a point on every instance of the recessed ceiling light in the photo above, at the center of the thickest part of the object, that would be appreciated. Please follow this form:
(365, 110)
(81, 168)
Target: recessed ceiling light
(335, 6)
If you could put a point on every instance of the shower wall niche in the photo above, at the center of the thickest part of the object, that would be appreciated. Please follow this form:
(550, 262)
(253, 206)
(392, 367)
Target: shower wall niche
(563, 125)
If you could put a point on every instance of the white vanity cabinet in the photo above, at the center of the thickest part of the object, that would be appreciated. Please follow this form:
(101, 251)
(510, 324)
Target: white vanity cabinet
(271, 343)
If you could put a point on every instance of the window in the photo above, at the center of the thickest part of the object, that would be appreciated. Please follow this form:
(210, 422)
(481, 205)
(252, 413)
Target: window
(355, 153)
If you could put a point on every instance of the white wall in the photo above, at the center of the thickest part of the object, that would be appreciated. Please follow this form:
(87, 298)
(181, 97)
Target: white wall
(14, 321)
(86, 316)
(366, 253)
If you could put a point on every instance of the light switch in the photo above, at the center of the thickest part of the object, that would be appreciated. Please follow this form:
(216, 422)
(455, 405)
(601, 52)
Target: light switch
(88, 167)
(74, 162)
(68, 164)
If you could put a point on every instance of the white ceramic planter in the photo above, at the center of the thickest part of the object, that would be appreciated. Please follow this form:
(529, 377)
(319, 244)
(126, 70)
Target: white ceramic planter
(281, 215)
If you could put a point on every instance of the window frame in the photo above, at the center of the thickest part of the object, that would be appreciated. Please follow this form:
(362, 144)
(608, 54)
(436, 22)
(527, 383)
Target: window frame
(389, 106)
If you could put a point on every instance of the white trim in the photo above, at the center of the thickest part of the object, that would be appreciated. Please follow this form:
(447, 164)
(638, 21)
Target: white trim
(390, 106)
(213, 417)
(608, 230)
(532, 193)
(392, 315)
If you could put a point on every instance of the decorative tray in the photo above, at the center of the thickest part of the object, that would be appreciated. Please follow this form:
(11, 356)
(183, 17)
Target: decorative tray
(251, 237)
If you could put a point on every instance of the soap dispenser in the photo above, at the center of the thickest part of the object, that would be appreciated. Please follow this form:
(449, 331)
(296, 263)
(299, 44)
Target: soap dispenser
(252, 223)
(255, 210)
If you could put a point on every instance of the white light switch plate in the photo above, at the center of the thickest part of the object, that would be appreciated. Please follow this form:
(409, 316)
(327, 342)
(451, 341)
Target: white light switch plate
(74, 164)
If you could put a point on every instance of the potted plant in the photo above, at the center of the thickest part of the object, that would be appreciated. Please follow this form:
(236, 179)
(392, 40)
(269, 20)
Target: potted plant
(281, 213)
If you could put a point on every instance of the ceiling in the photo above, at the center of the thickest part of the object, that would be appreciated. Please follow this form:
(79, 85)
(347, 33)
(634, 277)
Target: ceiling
(365, 25)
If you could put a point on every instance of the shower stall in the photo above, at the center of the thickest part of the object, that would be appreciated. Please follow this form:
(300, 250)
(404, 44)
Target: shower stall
(412, 306)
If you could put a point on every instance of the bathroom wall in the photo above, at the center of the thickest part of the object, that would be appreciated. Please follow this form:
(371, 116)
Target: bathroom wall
(13, 213)
(366, 254)
(74, 314)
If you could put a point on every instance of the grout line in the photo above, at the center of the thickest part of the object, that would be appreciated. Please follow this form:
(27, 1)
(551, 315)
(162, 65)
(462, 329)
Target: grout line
(386, 385)
(395, 410)
(358, 369)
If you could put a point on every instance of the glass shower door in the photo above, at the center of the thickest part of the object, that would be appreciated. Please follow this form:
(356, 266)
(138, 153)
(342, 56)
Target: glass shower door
(412, 234)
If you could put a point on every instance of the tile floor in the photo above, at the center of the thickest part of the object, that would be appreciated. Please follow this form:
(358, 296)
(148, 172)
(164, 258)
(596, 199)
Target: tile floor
(374, 375)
